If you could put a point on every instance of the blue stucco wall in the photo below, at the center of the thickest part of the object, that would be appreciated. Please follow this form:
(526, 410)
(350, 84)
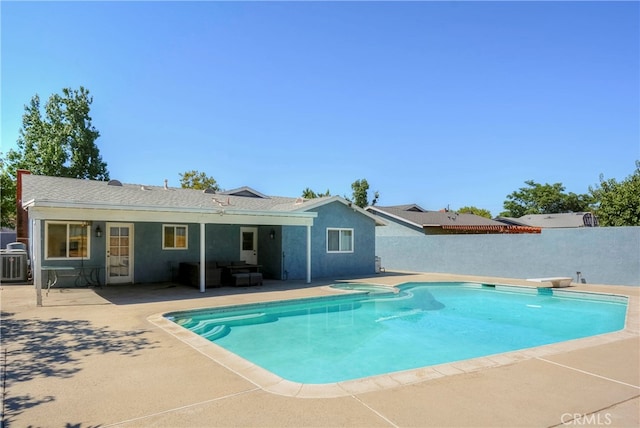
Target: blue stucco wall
(96, 259)
(294, 252)
(323, 264)
(270, 251)
(604, 255)
(153, 264)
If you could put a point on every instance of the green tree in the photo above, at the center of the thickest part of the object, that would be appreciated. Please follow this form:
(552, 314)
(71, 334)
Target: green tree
(544, 199)
(7, 197)
(361, 193)
(618, 204)
(198, 180)
(310, 194)
(60, 143)
(477, 211)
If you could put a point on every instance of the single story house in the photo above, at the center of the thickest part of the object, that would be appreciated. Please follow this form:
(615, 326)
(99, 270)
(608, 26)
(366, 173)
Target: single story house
(131, 233)
(549, 221)
(404, 219)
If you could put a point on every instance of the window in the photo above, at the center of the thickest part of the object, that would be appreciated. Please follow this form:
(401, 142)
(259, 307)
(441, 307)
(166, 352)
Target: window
(339, 240)
(66, 240)
(174, 237)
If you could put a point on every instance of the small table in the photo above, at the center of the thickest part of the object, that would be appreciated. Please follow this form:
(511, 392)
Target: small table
(91, 274)
(231, 273)
(243, 268)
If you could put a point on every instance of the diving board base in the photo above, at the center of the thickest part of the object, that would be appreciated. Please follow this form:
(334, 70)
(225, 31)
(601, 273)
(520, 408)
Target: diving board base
(556, 282)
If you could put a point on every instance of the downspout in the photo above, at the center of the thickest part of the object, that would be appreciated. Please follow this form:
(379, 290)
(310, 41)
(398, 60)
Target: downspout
(308, 254)
(203, 268)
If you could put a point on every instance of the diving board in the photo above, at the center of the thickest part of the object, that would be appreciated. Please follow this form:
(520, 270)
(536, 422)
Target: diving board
(556, 281)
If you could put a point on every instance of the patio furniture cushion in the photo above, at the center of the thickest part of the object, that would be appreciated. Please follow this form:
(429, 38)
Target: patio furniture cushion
(241, 279)
(255, 278)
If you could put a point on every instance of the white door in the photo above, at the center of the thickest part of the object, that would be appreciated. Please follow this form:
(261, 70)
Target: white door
(249, 244)
(119, 253)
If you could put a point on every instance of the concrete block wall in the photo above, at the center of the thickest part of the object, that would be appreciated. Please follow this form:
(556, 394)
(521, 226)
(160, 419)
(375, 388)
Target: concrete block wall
(603, 255)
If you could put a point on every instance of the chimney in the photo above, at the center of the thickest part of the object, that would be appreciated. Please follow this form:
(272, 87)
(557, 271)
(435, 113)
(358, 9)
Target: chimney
(22, 217)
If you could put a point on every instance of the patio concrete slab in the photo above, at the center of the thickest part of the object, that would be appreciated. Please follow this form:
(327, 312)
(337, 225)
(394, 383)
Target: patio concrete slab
(261, 409)
(531, 393)
(618, 361)
(92, 357)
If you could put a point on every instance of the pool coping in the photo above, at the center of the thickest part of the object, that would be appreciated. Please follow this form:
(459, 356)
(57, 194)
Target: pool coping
(274, 384)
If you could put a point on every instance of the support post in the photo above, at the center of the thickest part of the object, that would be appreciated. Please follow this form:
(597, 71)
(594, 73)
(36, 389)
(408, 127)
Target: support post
(203, 268)
(36, 252)
(308, 254)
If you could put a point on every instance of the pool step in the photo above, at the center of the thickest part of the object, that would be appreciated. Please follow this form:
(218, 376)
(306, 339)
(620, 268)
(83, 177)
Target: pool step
(203, 325)
(216, 332)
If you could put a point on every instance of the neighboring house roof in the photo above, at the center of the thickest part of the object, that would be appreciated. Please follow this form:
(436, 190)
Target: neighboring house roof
(244, 191)
(452, 221)
(38, 190)
(559, 220)
(409, 207)
(433, 218)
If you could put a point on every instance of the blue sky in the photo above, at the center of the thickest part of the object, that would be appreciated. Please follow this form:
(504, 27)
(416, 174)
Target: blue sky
(435, 103)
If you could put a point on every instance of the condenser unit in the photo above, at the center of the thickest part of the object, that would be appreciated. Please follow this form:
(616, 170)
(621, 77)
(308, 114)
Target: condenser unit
(14, 263)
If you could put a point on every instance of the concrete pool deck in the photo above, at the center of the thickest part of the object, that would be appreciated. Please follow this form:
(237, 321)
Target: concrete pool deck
(97, 357)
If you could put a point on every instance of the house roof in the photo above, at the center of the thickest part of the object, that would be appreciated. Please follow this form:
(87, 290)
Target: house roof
(559, 220)
(38, 190)
(408, 207)
(408, 214)
(415, 216)
(71, 191)
(244, 191)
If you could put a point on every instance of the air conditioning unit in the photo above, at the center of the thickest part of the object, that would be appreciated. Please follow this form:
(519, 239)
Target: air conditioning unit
(14, 263)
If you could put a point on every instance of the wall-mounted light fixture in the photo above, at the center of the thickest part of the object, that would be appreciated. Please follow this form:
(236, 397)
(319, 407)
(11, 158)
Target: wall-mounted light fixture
(98, 232)
(272, 234)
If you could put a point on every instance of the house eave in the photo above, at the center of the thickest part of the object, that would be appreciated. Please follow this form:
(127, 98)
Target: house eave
(316, 204)
(395, 217)
(46, 209)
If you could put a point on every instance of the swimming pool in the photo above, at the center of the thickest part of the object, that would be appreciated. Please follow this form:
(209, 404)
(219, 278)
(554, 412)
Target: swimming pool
(377, 331)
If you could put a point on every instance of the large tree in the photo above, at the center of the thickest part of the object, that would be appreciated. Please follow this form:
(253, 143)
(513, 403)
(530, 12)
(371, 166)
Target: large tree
(307, 193)
(361, 193)
(546, 198)
(7, 197)
(475, 210)
(198, 180)
(618, 204)
(60, 143)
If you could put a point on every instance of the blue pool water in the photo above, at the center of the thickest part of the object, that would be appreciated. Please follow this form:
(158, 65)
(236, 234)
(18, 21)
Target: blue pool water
(332, 339)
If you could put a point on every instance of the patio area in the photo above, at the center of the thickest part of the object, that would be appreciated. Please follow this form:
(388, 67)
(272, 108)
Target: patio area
(93, 357)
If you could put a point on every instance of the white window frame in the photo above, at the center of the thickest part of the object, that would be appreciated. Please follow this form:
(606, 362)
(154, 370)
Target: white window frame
(68, 247)
(175, 227)
(341, 242)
